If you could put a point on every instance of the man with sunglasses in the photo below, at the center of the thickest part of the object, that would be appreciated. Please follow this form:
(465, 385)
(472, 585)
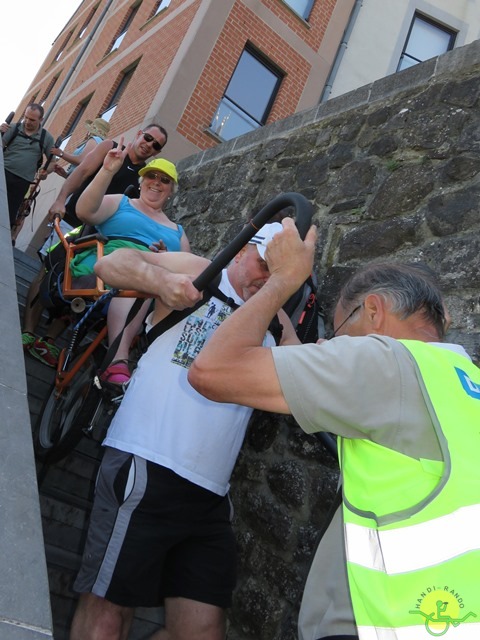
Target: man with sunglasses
(147, 143)
(406, 408)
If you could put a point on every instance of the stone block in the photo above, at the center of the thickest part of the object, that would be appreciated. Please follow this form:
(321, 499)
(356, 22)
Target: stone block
(413, 77)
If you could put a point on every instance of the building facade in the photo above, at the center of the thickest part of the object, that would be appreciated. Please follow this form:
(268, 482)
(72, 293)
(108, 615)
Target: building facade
(211, 70)
(386, 36)
(207, 70)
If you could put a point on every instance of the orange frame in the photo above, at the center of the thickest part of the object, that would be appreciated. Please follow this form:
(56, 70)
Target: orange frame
(64, 378)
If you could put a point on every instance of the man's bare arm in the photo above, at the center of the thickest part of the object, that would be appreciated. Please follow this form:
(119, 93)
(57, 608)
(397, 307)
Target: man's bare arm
(289, 335)
(93, 206)
(233, 366)
(85, 169)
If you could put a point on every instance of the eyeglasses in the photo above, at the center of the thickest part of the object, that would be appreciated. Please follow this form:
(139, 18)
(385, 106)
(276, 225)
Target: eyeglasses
(151, 175)
(149, 138)
(350, 315)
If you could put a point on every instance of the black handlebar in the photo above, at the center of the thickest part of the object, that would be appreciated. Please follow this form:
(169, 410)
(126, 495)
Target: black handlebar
(303, 217)
(9, 118)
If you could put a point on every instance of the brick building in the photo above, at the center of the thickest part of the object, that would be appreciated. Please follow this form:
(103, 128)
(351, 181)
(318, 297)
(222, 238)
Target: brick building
(211, 70)
(207, 70)
(179, 61)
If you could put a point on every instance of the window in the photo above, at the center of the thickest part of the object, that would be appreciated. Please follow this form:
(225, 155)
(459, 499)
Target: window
(302, 7)
(48, 90)
(160, 6)
(248, 98)
(426, 39)
(84, 26)
(63, 47)
(74, 120)
(121, 85)
(123, 29)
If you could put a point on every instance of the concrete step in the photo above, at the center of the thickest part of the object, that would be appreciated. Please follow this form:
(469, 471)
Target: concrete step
(66, 490)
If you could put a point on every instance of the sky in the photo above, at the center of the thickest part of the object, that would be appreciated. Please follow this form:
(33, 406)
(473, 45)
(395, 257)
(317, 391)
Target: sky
(25, 43)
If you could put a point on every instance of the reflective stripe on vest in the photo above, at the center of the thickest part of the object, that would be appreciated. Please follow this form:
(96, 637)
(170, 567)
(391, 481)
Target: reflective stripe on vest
(413, 559)
(381, 550)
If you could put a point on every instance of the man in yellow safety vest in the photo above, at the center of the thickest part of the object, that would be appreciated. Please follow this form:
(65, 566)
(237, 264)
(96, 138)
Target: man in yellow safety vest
(406, 408)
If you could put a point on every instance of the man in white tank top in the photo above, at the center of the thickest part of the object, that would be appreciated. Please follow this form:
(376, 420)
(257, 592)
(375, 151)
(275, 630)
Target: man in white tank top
(160, 530)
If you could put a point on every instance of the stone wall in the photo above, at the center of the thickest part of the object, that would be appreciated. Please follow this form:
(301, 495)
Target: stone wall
(393, 172)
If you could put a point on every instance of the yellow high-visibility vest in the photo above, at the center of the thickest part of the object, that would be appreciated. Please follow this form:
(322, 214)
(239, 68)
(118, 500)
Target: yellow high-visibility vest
(412, 526)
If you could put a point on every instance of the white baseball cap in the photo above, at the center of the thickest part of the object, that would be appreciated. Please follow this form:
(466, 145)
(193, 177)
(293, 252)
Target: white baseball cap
(264, 235)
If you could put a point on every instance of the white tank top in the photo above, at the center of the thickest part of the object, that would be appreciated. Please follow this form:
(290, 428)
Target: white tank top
(164, 420)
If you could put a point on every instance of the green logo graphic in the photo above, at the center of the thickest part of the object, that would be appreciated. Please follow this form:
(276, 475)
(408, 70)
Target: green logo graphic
(441, 608)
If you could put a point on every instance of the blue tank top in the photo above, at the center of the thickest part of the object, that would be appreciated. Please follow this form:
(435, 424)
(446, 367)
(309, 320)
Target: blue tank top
(127, 223)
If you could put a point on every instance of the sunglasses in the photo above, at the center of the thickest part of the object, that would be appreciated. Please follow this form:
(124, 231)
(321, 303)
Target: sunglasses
(155, 144)
(151, 175)
(333, 333)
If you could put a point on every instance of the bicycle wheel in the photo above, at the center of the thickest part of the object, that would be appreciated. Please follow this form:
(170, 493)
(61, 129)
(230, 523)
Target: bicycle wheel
(59, 426)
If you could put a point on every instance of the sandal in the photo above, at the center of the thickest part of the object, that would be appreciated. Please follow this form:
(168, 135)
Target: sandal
(117, 373)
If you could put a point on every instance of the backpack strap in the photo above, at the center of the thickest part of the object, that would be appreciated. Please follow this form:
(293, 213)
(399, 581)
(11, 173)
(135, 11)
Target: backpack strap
(41, 142)
(211, 291)
(276, 329)
(167, 323)
(175, 317)
(14, 135)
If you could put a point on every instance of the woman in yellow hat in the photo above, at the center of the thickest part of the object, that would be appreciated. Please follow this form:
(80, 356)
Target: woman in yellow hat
(128, 222)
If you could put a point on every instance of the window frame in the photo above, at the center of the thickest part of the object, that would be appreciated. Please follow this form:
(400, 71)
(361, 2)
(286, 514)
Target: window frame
(117, 92)
(73, 121)
(123, 29)
(86, 23)
(417, 16)
(266, 63)
(305, 14)
(63, 46)
(48, 90)
(161, 6)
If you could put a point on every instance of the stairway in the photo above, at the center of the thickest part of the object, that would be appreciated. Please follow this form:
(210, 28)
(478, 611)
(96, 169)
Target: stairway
(65, 491)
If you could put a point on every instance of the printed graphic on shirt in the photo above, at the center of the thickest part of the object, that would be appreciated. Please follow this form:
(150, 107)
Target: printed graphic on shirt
(198, 329)
(442, 608)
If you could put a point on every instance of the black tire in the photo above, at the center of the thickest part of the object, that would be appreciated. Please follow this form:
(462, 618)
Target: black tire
(60, 425)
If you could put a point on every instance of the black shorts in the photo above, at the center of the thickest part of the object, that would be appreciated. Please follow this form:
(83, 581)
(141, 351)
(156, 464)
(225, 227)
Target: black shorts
(154, 535)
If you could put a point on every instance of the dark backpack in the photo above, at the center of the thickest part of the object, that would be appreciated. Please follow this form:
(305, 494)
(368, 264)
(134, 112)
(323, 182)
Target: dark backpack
(305, 312)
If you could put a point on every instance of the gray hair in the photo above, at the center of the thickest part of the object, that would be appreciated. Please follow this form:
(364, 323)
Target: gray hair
(410, 288)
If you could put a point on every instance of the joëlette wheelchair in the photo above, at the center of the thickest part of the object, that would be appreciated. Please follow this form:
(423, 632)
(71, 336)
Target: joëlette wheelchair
(78, 404)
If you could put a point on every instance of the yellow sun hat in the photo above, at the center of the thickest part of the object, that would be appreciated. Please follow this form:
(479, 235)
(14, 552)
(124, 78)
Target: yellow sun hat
(98, 127)
(160, 164)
